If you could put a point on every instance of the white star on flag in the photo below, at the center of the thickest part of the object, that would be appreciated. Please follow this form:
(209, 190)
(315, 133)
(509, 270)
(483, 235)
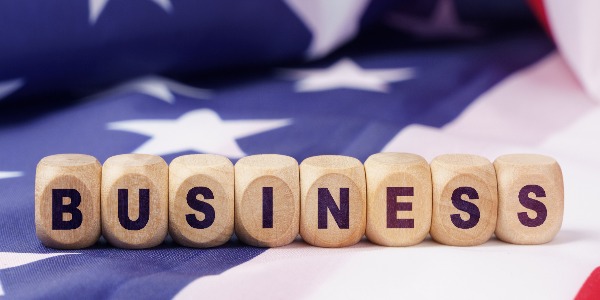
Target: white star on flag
(13, 259)
(6, 88)
(443, 23)
(347, 74)
(157, 87)
(5, 174)
(96, 7)
(10, 86)
(200, 130)
(331, 22)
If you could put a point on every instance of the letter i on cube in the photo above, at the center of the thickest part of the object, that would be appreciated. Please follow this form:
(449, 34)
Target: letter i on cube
(267, 200)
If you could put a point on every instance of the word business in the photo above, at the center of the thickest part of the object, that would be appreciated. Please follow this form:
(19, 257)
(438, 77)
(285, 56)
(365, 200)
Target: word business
(201, 200)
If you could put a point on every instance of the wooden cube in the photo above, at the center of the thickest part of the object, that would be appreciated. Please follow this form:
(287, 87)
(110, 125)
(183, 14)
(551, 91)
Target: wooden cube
(267, 200)
(465, 199)
(398, 199)
(135, 200)
(67, 201)
(201, 199)
(531, 198)
(333, 201)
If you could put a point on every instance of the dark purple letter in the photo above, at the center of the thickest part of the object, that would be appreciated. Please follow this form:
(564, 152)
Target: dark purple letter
(144, 210)
(465, 206)
(267, 207)
(58, 208)
(532, 204)
(393, 207)
(341, 215)
(201, 206)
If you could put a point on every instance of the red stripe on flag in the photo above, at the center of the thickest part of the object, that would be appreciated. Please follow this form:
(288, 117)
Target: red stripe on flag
(540, 12)
(591, 288)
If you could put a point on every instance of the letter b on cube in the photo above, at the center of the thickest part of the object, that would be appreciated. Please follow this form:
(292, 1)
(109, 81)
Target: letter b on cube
(67, 201)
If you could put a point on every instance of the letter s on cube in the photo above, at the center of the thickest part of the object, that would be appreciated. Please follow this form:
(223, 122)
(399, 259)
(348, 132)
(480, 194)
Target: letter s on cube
(201, 200)
(531, 198)
(465, 199)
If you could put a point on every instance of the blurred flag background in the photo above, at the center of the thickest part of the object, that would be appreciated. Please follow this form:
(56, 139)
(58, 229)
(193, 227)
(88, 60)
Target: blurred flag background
(301, 78)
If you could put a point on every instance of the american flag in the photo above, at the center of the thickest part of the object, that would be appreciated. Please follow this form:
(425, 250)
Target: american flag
(301, 78)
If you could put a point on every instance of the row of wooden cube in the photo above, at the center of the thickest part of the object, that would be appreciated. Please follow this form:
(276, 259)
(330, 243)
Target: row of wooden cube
(396, 199)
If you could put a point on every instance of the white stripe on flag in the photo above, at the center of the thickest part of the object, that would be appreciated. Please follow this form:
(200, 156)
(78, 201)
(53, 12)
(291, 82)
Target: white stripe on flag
(521, 111)
(15, 259)
(574, 26)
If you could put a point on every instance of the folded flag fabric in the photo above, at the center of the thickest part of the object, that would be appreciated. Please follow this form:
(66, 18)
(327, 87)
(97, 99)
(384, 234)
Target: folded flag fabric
(573, 26)
(73, 49)
(300, 78)
(69, 50)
